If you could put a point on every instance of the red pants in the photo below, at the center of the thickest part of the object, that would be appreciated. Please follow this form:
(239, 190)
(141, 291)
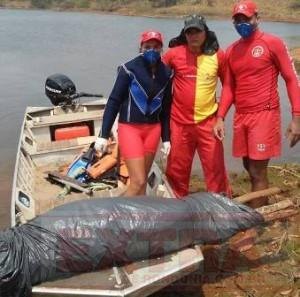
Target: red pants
(185, 140)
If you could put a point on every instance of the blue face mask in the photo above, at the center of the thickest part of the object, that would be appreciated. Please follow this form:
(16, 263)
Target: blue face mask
(244, 29)
(151, 56)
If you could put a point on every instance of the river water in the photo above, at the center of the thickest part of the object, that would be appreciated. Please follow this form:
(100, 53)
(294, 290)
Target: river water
(87, 47)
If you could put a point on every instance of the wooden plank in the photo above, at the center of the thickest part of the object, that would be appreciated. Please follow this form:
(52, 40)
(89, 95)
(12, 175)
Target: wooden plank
(276, 211)
(275, 207)
(257, 194)
(153, 276)
(137, 279)
(67, 118)
(64, 144)
(278, 215)
(68, 181)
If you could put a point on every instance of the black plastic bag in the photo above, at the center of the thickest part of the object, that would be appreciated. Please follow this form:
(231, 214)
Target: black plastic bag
(89, 235)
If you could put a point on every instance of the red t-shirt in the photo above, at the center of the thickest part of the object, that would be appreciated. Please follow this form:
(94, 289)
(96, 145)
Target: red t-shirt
(251, 78)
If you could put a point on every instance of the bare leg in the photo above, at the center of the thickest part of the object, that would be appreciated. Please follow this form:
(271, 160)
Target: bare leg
(257, 170)
(148, 163)
(246, 163)
(137, 175)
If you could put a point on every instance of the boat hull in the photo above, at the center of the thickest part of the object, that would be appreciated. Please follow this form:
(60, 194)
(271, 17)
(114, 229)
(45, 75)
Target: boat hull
(33, 195)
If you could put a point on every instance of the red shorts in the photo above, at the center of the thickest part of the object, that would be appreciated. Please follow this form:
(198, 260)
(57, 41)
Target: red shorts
(257, 135)
(137, 140)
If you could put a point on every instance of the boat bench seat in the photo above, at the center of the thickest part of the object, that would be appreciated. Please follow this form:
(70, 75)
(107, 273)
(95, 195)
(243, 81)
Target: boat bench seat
(64, 144)
(66, 118)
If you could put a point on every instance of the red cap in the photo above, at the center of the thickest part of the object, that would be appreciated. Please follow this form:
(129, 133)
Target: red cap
(148, 35)
(245, 7)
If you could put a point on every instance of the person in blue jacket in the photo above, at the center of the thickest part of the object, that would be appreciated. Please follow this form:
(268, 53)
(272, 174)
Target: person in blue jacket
(142, 97)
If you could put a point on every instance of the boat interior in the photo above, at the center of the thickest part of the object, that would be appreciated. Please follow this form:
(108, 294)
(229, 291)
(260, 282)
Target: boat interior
(51, 138)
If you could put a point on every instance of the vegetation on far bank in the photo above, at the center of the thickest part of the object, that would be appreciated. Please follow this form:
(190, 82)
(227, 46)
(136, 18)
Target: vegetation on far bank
(277, 10)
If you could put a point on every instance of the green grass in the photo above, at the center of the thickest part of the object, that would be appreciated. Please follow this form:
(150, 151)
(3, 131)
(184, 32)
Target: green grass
(292, 249)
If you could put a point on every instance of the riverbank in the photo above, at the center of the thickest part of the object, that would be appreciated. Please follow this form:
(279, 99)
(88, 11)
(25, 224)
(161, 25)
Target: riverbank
(276, 10)
(270, 268)
(296, 56)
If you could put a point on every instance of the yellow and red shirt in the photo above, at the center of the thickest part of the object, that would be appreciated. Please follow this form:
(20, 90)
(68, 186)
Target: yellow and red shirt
(194, 83)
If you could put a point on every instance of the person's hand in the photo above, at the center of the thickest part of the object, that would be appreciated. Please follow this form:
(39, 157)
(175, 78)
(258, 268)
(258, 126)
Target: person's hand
(219, 129)
(101, 145)
(293, 131)
(166, 147)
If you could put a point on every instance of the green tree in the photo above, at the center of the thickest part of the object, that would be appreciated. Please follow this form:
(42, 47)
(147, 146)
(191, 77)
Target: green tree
(83, 3)
(296, 4)
(163, 3)
(42, 4)
(67, 4)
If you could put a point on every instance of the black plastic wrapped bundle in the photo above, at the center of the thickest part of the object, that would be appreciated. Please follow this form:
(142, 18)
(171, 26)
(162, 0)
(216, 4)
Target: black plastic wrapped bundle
(92, 234)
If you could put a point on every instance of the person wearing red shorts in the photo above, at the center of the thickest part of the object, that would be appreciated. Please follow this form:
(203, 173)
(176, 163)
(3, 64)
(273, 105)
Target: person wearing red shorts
(197, 62)
(142, 97)
(254, 63)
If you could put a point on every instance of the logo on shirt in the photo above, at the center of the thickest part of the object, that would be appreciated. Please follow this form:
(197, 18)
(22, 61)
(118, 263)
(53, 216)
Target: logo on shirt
(257, 51)
(261, 147)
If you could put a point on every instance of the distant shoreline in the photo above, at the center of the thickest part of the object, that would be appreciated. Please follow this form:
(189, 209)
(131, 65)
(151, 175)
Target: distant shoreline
(275, 13)
(209, 17)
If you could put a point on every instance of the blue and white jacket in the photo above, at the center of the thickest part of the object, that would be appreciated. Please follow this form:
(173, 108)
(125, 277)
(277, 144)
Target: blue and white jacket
(140, 97)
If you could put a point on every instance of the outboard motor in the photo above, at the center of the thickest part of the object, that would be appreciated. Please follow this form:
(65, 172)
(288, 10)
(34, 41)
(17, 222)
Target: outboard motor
(62, 91)
(59, 89)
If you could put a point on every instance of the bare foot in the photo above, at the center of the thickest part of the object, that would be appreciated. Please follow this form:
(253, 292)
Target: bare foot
(243, 241)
